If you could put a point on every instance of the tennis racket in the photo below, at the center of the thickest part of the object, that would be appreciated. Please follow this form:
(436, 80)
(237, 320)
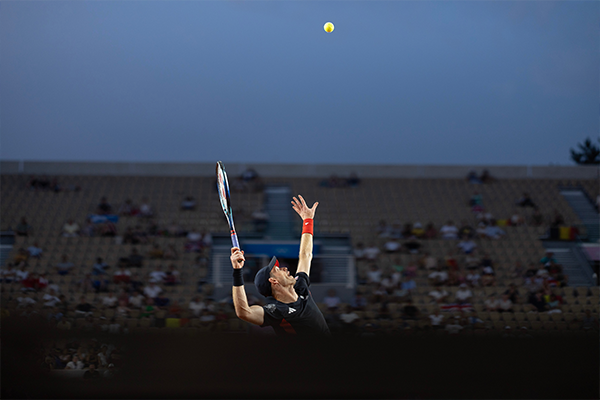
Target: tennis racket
(223, 189)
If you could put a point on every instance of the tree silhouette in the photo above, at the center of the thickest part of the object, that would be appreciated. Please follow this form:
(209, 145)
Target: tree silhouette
(589, 154)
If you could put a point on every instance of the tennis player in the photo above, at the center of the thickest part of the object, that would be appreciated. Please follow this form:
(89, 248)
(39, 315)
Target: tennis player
(290, 307)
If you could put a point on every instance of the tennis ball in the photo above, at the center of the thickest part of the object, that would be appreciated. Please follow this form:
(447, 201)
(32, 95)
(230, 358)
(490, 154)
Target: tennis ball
(328, 27)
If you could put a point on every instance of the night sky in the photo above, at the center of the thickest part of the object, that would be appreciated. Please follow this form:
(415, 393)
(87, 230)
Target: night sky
(397, 82)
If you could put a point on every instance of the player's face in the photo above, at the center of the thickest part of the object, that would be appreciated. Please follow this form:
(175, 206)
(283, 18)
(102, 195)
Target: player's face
(282, 275)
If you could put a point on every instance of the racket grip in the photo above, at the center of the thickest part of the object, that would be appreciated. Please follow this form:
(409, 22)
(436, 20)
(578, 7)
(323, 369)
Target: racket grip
(234, 240)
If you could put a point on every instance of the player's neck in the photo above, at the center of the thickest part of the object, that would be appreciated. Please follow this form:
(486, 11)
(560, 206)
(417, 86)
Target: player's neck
(287, 295)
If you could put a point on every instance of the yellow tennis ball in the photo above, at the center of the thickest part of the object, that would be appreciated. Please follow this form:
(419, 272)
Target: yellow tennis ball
(328, 27)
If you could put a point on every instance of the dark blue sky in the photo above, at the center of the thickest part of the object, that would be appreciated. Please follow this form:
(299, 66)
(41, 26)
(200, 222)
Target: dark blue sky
(397, 82)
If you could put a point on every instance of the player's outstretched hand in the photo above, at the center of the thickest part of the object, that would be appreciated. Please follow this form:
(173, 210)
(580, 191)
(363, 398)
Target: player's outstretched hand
(302, 209)
(237, 258)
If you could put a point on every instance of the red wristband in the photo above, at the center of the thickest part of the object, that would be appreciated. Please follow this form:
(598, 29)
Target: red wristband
(307, 226)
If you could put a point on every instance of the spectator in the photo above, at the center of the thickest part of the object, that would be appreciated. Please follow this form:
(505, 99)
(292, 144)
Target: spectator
(162, 301)
(449, 231)
(374, 274)
(50, 299)
(137, 300)
(158, 275)
(135, 259)
(359, 302)
(353, 180)
(106, 229)
(128, 209)
(188, 204)
(349, 320)
(70, 229)
(396, 230)
(430, 231)
(473, 278)
(89, 230)
(146, 210)
(35, 250)
(525, 201)
(512, 293)
(75, 363)
(429, 262)
(100, 267)
(438, 278)
(83, 308)
(486, 177)
(549, 257)
(196, 305)
(491, 304)
(439, 295)
(372, 252)
(476, 202)
(110, 301)
(149, 309)
(152, 291)
(437, 319)
(64, 266)
(104, 208)
(453, 327)
(122, 309)
(383, 230)
(410, 311)
(193, 241)
(537, 301)
(517, 219)
(21, 257)
(91, 373)
(412, 245)
(332, 300)
(392, 246)
(23, 228)
(172, 276)
(9, 274)
(409, 285)
(466, 230)
(175, 230)
(473, 178)
(122, 275)
(474, 321)
(493, 231)
(467, 245)
(555, 303)
(505, 304)
(463, 294)
(359, 251)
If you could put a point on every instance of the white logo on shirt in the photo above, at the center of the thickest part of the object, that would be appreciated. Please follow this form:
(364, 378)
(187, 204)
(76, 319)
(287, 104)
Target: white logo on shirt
(270, 307)
(302, 297)
(291, 310)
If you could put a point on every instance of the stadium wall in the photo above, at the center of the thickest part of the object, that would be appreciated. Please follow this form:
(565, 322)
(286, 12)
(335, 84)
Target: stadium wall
(296, 170)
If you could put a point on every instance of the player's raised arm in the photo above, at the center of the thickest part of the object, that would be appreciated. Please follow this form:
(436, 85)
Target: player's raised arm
(255, 314)
(306, 242)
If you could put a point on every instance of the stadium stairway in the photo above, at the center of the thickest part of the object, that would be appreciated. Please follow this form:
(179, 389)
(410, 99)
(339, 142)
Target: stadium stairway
(277, 205)
(574, 262)
(586, 212)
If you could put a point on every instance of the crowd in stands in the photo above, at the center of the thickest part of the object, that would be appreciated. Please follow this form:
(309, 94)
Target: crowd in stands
(96, 358)
(391, 297)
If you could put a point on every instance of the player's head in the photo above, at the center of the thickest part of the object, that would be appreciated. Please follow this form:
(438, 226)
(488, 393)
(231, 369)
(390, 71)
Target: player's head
(272, 277)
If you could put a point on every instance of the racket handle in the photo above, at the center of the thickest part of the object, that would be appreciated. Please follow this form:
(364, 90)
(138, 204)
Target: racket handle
(234, 240)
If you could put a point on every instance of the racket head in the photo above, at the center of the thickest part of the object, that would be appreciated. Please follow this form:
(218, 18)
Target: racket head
(223, 189)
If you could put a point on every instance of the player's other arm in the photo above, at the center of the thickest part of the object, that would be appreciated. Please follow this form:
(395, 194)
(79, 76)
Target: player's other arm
(255, 314)
(306, 242)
